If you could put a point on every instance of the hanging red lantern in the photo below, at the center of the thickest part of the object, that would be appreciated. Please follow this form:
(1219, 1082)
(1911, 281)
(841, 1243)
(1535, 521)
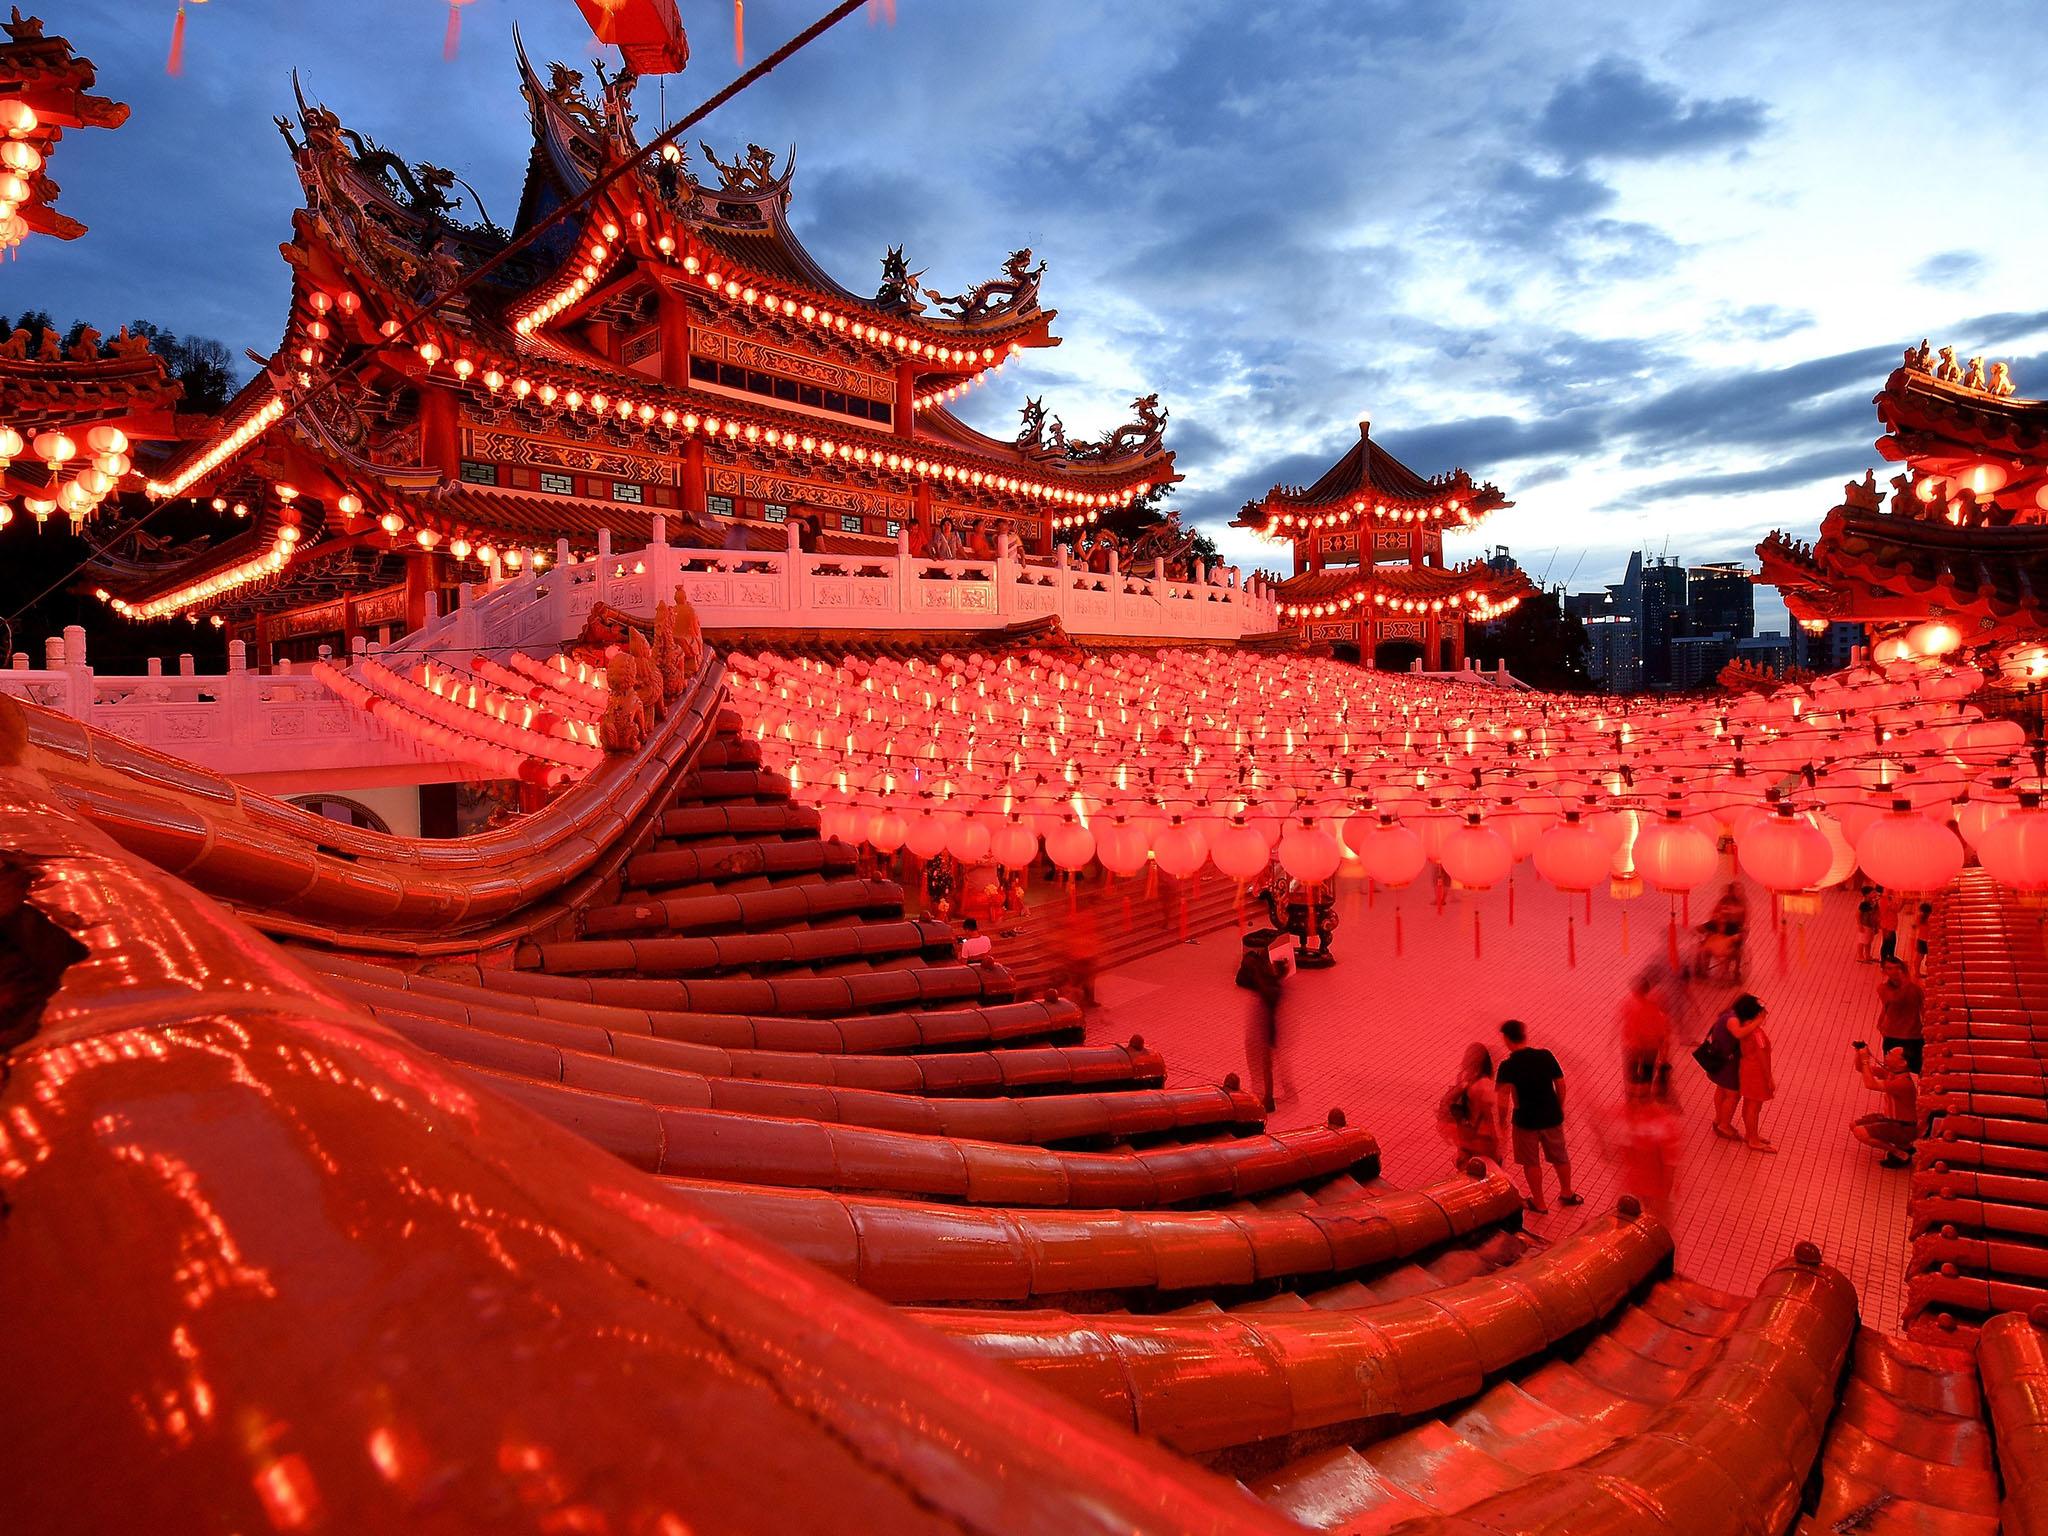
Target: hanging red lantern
(1674, 856)
(2014, 848)
(1178, 849)
(1573, 855)
(1393, 856)
(1783, 852)
(1120, 847)
(1070, 845)
(1475, 856)
(886, 831)
(926, 836)
(1013, 844)
(1907, 851)
(969, 841)
(1239, 851)
(1308, 852)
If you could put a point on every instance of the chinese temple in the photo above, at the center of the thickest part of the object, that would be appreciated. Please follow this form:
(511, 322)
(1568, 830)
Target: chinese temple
(670, 357)
(1959, 540)
(728, 1134)
(1369, 571)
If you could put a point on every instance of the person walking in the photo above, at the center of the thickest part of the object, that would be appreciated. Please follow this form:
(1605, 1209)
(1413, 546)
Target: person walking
(1757, 1084)
(1901, 1002)
(1530, 1088)
(1257, 972)
(1720, 1057)
(1866, 923)
(1469, 1109)
(1645, 1031)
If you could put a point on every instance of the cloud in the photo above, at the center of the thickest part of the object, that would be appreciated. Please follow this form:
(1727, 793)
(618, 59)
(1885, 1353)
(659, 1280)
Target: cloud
(1615, 111)
(1950, 269)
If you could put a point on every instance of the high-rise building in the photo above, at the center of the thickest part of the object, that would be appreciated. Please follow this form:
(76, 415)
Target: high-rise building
(1720, 596)
(1660, 615)
(1695, 660)
(1612, 657)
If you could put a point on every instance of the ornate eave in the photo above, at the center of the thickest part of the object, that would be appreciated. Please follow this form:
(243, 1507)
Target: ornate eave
(56, 84)
(1370, 485)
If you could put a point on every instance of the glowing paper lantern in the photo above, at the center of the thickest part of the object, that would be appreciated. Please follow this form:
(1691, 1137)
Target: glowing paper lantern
(969, 841)
(886, 831)
(1392, 854)
(2014, 848)
(927, 836)
(1178, 849)
(1121, 847)
(1014, 845)
(1475, 856)
(1239, 851)
(1783, 852)
(1675, 857)
(1070, 845)
(1909, 852)
(1573, 855)
(1308, 852)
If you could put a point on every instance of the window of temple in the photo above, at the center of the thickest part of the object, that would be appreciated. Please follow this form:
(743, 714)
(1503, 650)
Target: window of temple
(849, 522)
(560, 485)
(718, 506)
(774, 513)
(475, 473)
(895, 527)
(625, 490)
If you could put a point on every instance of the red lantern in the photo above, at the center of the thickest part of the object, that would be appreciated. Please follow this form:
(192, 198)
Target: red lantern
(1573, 855)
(1178, 849)
(1908, 851)
(1070, 845)
(1475, 856)
(1014, 845)
(1784, 852)
(1674, 856)
(969, 841)
(1308, 852)
(1121, 848)
(927, 836)
(2014, 848)
(1239, 851)
(1392, 855)
(886, 832)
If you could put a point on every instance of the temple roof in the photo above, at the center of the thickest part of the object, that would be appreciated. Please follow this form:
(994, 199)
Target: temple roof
(55, 83)
(1365, 481)
(1474, 585)
(1970, 430)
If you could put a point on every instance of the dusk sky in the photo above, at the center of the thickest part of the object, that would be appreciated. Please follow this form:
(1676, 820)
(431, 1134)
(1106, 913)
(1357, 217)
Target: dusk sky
(1642, 265)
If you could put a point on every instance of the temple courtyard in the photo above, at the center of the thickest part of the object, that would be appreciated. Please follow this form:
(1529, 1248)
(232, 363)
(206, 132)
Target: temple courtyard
(1379, 1035)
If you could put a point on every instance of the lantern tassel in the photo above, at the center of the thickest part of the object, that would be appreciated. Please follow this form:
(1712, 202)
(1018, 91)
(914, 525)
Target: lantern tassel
(1778, 921)
(175, 64)
(1671, 940)
(1183, 915)
(739, 33)
(1624, 930)
(1478, 949)
(1571, 942)
(451, 40)
(1398, 946)
(1511, 901)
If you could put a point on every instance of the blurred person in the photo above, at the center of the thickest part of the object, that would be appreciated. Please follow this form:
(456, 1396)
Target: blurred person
(1720, 1057)
(1645, 1032)
(1468, 1111)
(1260, 974)
(1758, 1084)
(1866, 923)
(1887, 924)
(1530, 1088)
(1643, 1141)
(1901, 1002)
(1895, 1129)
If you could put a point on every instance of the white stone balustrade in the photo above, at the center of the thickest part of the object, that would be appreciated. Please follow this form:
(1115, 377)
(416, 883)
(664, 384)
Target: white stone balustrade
(265, 725)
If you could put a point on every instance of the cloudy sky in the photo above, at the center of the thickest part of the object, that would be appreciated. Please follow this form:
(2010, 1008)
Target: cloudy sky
(1642, 265)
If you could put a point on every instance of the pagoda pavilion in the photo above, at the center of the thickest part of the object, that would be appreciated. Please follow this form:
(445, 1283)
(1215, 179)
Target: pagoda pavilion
(1962, 538)
(448, 406)
(1369, 571)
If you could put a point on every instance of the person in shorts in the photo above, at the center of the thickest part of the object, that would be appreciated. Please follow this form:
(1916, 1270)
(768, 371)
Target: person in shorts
(1530, 1086)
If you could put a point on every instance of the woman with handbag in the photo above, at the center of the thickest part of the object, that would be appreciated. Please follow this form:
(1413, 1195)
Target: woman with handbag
(1468, 1109)
(1720, 1057)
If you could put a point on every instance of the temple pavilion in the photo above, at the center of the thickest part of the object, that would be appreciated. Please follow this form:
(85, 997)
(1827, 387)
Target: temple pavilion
(1368, 546)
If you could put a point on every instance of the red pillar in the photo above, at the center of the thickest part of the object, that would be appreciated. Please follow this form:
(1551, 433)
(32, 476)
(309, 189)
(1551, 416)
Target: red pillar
(693, 477)
(673, 318)
(921, 513)
(348, 623)
(906, 397)
(441, 430)
(419, 580)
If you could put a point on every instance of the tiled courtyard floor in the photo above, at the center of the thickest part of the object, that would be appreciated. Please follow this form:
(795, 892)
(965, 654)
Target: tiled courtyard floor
(1380, 1035)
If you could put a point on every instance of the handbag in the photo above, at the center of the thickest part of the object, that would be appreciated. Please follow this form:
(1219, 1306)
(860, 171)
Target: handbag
(1710, 1056)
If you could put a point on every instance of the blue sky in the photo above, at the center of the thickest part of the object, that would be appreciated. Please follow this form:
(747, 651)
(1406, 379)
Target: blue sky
(1642, 265)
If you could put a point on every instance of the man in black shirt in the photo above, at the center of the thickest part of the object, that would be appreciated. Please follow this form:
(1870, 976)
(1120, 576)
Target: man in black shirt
(1530, 1085)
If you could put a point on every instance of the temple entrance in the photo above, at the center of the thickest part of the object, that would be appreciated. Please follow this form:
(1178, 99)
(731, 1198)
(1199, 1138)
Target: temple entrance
(1396, 655)
(1447, 651)
(1345, 650)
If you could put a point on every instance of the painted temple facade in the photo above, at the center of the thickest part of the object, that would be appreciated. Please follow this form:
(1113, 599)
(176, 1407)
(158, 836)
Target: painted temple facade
(447, 408)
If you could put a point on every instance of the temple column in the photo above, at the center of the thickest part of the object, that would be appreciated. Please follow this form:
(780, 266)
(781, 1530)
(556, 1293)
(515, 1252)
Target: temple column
(672, 317)
(441, 430)
(921, 514)
(419, 581)
(348, 617)
(693, 477)
(905, 412)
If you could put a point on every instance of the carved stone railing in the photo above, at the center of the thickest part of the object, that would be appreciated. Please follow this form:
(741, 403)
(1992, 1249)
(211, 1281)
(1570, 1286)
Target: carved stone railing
(787, 589)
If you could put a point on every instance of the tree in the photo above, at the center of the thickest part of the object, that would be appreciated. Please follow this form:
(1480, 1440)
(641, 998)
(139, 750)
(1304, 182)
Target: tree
(202, 365)
(1541, 644)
